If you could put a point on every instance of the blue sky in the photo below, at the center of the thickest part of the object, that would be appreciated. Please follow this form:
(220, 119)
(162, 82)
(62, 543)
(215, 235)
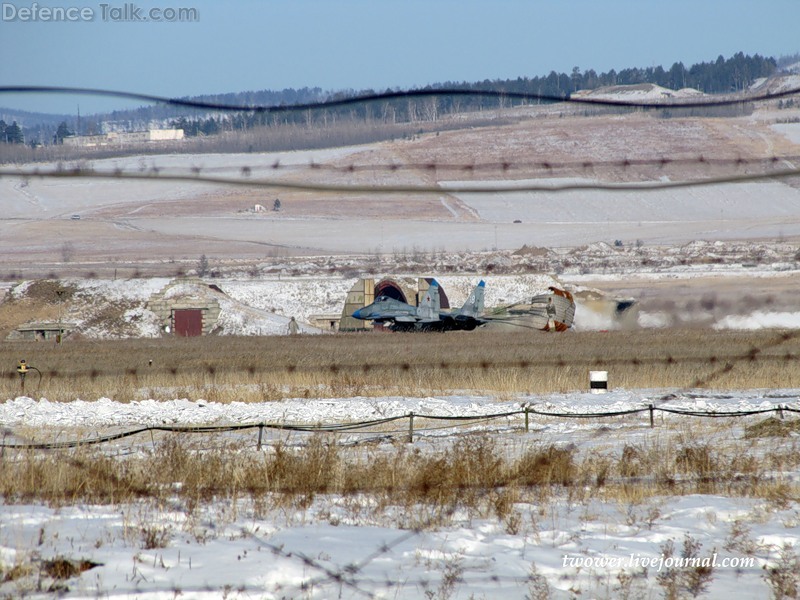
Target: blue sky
(359, 44)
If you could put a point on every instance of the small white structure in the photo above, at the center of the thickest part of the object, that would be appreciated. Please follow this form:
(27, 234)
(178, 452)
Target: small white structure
(598, 382)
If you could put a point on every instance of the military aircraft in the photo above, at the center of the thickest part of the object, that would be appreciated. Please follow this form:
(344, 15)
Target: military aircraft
(428, 316)
(551, 311)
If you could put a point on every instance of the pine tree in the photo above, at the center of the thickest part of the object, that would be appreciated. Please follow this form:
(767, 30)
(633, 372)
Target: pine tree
(62, 132)
(13, 134)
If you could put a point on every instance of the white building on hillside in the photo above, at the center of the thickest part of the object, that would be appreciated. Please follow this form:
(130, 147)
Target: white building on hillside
(119, 138)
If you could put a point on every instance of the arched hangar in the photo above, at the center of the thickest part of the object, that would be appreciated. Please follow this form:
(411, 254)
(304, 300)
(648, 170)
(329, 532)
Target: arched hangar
(365, 290)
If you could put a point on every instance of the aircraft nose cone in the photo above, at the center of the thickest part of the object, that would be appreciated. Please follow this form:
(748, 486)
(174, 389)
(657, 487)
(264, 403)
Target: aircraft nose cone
(357, 314)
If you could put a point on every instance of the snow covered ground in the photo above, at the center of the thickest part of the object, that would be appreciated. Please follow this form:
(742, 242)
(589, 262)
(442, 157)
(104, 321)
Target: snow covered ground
(563, 548)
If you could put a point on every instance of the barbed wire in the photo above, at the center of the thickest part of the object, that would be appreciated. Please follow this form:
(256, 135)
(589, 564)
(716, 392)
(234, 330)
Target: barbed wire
(483, 187)
(722, 364)
(729, 100)
(77, 168)
(497, 165)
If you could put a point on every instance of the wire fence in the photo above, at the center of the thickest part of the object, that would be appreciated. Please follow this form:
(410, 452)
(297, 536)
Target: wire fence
(368, 426)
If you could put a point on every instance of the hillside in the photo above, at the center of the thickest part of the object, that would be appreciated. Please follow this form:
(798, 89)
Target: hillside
(150, 223)
(718, 285)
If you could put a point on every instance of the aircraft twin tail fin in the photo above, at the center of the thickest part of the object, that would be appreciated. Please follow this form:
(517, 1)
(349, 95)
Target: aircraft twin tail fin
(473, 307)
(429, 304)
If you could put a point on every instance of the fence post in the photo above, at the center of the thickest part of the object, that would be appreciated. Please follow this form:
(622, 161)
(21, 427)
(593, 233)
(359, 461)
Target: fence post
(652, 420)
(411, 427)
(780, 411)
(526, 419)
(260, 432)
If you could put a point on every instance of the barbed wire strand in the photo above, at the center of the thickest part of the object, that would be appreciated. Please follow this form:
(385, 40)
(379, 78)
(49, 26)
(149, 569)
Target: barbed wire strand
(729, 100)
(450, 187)
(718, 361)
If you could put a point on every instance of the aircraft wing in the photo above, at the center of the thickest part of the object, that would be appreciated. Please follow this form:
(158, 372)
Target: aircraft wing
(403, 319)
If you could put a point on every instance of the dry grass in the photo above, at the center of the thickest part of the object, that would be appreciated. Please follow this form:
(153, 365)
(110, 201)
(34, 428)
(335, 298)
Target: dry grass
(773, 427)
(473, 472)
(257, 369)
(479, 474)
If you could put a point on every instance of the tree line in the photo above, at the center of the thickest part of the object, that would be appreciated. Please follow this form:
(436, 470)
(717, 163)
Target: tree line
(723, 75)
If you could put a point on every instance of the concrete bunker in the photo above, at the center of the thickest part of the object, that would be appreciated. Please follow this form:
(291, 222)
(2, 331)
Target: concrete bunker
(186, 308)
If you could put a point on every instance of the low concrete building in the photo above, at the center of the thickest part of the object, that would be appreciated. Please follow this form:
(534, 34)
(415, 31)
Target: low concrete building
(42, 332)
(326, 322)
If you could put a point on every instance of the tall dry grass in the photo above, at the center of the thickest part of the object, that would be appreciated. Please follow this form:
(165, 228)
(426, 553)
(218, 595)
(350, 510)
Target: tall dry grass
(257, 368)
(481, 474)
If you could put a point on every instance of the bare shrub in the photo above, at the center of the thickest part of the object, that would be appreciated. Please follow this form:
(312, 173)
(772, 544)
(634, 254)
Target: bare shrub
(153, 537)
(697, 460)
(547, 466)
(538, 588)
(783, 576)
(689, 574)
(740, 540)
(306, 472)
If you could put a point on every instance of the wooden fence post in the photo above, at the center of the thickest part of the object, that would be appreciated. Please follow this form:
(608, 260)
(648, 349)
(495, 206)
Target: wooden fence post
(260, 432)
(652, 419)
(526, 419)
(411, 427)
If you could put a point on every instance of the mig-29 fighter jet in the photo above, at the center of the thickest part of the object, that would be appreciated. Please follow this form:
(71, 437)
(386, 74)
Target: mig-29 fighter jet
(428, 316)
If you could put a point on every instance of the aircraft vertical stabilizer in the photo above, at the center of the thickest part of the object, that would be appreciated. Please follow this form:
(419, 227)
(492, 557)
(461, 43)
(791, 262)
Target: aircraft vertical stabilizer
(473, 307)
(429, 305)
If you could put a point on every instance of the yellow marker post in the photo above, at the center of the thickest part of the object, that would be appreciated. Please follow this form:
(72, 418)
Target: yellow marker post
(22, 369)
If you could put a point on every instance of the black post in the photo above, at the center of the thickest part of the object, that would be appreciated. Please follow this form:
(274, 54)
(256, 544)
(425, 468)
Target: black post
(652, 420)
(411, 427)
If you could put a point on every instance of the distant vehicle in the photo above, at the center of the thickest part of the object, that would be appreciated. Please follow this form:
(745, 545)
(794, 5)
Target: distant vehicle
(428, 316)
(75, 217)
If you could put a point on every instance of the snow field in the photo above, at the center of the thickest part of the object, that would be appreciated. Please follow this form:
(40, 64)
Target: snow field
(567, 541)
